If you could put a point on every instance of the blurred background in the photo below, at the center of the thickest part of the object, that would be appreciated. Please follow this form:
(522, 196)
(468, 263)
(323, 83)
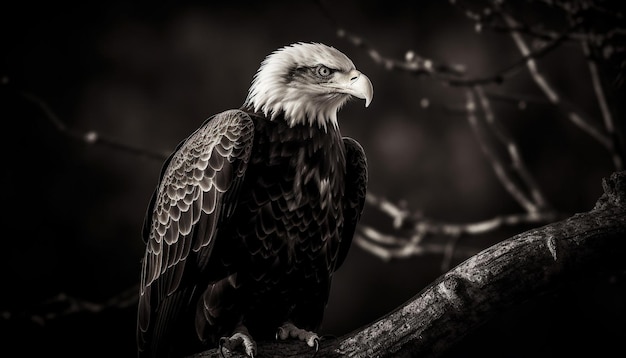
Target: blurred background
(146, 74)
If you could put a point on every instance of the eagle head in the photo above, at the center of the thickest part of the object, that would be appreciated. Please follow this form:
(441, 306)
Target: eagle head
(307, 83)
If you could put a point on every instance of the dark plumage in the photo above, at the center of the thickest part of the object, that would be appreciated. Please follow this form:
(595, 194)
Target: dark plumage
(254, 211)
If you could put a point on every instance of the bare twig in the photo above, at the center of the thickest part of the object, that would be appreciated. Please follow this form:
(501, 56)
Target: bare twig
(516, 162)
(398, 213)
(91, 137)
(530, 62)
(412, 63)
(604, 107)
(410, 238)
(63, 305)
(501, 171)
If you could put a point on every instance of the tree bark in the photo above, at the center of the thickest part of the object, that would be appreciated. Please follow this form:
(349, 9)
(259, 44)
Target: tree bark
(500, 277)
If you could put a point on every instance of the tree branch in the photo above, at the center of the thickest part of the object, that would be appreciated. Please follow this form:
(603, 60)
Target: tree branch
(91, 137)
(500, 277)
(607, 116)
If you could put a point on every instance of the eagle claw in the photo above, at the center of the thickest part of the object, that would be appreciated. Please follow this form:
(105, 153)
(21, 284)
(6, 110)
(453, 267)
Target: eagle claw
(237, 341)
(289, 330)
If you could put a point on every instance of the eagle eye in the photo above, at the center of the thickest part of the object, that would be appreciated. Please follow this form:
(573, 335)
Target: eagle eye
(323, 71)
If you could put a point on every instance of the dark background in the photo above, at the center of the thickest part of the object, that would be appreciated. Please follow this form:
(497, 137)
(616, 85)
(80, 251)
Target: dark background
(148, 73)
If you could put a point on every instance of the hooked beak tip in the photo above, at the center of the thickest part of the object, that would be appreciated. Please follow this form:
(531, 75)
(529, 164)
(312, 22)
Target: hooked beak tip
(363, 89)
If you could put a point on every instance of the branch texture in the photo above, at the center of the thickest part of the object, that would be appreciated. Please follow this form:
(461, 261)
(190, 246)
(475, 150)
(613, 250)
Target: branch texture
(502, 276)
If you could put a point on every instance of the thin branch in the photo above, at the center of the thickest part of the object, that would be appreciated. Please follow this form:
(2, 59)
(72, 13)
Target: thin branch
(411, 231)
(499, 169)
(517, 164)
(537, 33)
(530, 62)
(63, 305)
(91, 137)
(528, 57)
(412, 63)
(398, 213)
(602, 103)
(389, 247)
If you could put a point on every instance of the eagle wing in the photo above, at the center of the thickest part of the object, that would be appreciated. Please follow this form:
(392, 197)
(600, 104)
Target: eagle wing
(355, 191)
(196, 194)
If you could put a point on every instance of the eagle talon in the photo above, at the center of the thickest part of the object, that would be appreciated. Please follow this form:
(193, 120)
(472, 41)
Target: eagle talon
(238, 340)
(317, 346)
(289, 330)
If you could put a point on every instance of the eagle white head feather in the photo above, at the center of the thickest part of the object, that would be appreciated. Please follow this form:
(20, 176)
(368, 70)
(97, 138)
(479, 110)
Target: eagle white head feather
(308, 83)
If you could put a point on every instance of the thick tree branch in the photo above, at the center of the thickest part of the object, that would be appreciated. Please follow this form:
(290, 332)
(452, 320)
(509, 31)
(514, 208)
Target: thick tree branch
(501, 276)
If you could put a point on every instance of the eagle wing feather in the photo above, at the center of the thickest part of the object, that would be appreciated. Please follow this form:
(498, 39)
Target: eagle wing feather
(191, 202)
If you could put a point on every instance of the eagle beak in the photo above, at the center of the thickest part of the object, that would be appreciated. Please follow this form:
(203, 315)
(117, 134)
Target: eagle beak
(360, 87)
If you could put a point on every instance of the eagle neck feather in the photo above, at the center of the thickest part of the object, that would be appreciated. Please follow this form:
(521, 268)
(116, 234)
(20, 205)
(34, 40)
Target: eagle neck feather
(295, 111)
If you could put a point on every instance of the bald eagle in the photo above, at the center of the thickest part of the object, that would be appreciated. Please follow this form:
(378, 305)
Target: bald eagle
(254, 211)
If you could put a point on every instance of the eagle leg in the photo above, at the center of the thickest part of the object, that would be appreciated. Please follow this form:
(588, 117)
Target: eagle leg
(289, 330)
(240, 339)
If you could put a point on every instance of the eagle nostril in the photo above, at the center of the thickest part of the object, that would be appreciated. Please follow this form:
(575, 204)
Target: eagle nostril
(354, 78)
